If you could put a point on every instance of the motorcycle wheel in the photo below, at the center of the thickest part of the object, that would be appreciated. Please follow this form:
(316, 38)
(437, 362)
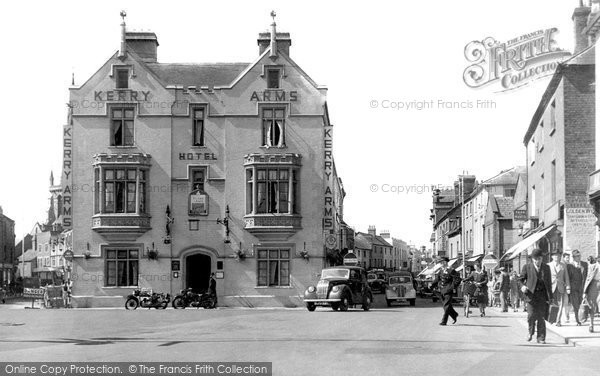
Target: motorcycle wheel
(164, 305)
(131, 303)
(178, 303)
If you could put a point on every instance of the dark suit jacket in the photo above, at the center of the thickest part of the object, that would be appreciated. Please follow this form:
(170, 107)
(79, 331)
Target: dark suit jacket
(447, 281)
(529, 279)
(577, 276)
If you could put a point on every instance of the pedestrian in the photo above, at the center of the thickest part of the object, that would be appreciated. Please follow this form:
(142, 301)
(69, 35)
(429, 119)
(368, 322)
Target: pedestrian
(537, 285)
(447, 279)
(577, 271)
(480, 278)
(212, 286)
(514, 290)
(496, 288)
(591, 290)
(504, 289)
(66, 292)
(561, 287)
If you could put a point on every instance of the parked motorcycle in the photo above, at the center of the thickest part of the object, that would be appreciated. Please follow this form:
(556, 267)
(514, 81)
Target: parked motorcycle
(188, 298)
(147, 299)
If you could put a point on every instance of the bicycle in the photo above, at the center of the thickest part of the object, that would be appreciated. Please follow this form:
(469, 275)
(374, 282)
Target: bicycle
(468, 291)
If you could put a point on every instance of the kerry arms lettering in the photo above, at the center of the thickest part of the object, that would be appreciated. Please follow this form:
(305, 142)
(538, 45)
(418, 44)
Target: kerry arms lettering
(274, 96)
(122, 95)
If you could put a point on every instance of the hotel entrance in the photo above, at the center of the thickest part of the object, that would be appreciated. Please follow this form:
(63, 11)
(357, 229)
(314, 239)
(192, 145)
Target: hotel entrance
(197, 272)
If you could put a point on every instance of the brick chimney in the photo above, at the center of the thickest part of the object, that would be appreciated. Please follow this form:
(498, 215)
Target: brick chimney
(372, 231)
(580, 19)
(283, 42)
(143, 43)
(385, 234)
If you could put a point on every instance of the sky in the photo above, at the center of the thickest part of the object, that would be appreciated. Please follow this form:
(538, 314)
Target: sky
(368, 54)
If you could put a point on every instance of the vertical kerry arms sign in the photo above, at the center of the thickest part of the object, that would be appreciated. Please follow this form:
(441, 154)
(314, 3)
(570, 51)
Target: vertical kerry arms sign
(67, 169)
(328, 179)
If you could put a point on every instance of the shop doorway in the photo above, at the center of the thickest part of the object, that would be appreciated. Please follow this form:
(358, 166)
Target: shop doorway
(197, 272)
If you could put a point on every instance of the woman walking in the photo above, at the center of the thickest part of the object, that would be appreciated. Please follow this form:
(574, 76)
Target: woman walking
(591, 289)
(480, 278)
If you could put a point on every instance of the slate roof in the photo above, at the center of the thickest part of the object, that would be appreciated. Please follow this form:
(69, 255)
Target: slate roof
(505, 206)
(211, 74)
(363, 241)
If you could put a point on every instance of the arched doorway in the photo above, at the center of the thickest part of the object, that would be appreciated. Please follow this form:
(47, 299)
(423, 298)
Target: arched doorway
(197, 271)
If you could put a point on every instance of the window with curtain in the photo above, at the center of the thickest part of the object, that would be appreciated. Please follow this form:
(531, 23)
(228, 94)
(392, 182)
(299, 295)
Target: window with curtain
(273, 267)
(122, 267)
(273, 128)
(121, 127)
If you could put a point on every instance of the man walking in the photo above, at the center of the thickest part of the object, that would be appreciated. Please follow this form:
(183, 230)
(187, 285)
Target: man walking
(537, 284)
(561, 287)
(577, 271)
(447, 279)
(504, 289)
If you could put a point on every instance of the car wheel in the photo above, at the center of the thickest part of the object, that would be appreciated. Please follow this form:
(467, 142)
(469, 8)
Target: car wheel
(344, 303)
(389, 302)
(131, 303)
(311, 307)
(367, 303)
(412, 302)
(335, 306)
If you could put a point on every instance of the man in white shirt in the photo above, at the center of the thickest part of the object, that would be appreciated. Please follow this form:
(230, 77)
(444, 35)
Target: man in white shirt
(561, 287)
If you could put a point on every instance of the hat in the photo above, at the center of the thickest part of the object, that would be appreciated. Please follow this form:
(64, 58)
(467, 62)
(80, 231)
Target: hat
(442, 258)
(537, 253)
(576, 253)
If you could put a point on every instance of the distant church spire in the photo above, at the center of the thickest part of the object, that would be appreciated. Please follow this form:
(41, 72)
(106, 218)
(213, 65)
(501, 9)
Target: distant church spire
(51, 178)
(123, 49)
(273, 54)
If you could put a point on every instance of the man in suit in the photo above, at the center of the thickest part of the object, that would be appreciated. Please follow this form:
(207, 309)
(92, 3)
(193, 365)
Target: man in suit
(447, 279)
(504, 289)
(577, 271)
(561, 287)
(537, 291)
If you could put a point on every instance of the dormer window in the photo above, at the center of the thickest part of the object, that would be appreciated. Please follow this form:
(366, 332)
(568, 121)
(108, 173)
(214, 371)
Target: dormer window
(273, 78)
(122, 78)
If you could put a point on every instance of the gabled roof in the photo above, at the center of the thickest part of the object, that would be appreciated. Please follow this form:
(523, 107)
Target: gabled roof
(505, 177)
(211, 74)
(504, 207)
(379, 240)
(363, 241)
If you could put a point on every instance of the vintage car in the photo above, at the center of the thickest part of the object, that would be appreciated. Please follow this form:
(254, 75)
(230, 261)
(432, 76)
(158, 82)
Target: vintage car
(400, 288)
(377, 281)
(340, 287)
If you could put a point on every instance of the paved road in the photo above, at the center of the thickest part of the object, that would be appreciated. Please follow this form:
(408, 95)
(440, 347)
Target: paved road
(401, 340)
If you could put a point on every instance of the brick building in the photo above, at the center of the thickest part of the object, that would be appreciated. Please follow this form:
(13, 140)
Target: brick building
(560, 143)
(174, 171)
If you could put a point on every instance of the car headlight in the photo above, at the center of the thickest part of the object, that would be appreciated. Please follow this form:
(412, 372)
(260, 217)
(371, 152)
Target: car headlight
(312, 289)
(335, 289)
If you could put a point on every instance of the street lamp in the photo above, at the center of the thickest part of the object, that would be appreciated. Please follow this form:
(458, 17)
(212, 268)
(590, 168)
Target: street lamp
(225, 222)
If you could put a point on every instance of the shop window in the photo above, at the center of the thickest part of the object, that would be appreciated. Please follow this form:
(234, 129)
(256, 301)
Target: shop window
(273, 78)
(122, 78)
(122, 189)
(121, 127)
(121, 267)
(198, 131)
(273, 267)
(273, 127)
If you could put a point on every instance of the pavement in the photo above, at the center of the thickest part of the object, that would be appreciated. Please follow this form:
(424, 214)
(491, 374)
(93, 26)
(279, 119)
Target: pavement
(569, 331)
(384, 341)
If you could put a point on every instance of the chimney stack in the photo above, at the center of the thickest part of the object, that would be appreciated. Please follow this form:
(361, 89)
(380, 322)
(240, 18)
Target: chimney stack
(580, 19)
(372, 230)
(123, 49)
(144, 44)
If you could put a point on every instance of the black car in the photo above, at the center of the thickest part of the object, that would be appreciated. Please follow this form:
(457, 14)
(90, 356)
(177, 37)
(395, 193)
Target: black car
(377, 282)
(339, 288)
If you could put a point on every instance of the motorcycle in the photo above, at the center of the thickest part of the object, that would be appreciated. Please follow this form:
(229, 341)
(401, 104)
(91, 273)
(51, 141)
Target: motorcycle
(147, 299)
(188, 298)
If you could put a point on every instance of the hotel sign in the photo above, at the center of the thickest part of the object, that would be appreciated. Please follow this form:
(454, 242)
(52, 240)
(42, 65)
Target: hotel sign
(328, 178)
(121, 95)
(274, 96)
(67, 176)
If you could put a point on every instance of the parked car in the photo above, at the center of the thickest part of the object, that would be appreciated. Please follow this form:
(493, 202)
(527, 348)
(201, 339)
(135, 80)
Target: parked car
(376, 281)
(339, 288)
(400, 288)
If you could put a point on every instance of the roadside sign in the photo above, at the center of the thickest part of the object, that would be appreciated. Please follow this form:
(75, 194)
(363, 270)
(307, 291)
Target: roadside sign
(68, 255)
(489, 262)
(330, 241)
(350, 259)
(33, 293)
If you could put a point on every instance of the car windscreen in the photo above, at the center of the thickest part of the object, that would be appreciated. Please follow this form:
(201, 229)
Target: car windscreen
(398, 280)
(335, 273)
(371, 276)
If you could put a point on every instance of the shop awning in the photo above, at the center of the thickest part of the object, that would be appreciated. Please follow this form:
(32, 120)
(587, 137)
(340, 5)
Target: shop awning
(516, 249)
(475, 258)
(430, 270)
